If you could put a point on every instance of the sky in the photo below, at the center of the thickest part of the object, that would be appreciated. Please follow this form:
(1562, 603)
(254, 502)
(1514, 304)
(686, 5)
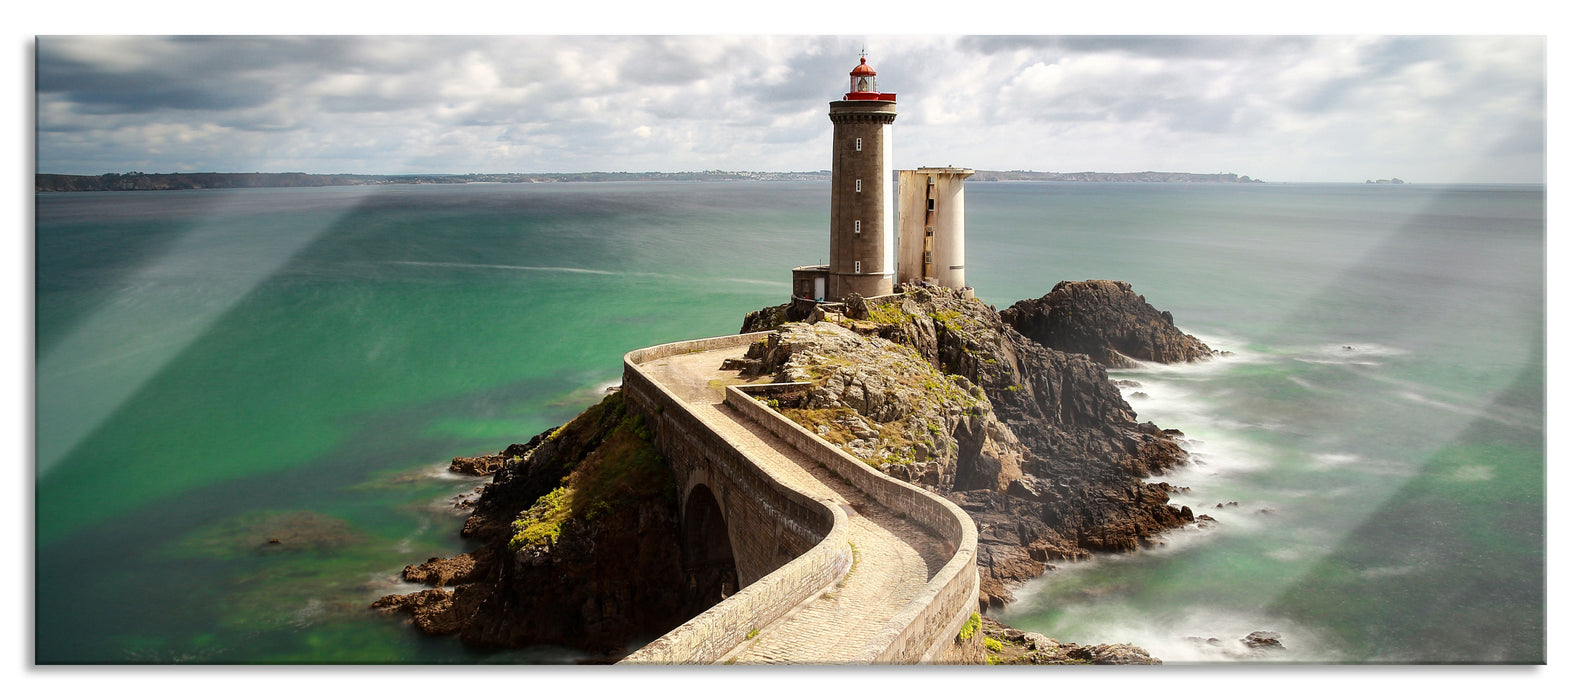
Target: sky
(1332, 108)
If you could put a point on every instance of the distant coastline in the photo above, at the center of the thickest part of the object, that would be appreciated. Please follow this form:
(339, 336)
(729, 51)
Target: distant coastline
(139, 181)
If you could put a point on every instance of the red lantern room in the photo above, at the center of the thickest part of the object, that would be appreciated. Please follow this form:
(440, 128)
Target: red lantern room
(865, 82)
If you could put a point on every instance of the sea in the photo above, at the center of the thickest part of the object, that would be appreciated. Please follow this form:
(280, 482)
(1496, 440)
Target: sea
(246, 400)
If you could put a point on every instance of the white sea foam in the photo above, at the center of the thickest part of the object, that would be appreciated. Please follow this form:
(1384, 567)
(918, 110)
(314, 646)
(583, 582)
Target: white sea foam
(308, 614)
(1325, 461)
(760, 283)
(1173, 542)
(1288, 554)
(405, 545)
(441, 471)
(383, 584)
(1498, 414)
(1473, 472)
(1198, 635)
(1346, 354)
(578, 271)
(1377, 572)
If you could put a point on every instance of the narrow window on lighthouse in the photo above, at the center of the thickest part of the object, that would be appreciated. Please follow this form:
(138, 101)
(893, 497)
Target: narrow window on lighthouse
(856, 266)
(859, 143)
(858, 228)
(859, 185)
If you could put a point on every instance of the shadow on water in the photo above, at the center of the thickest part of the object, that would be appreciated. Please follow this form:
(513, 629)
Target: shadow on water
(1451, 568)
(194, 577)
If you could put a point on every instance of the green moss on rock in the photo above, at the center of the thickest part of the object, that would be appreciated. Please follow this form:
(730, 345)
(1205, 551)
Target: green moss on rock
(623, 469)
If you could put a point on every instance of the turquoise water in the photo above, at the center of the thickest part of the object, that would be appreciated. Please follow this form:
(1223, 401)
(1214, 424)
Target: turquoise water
(215, 368)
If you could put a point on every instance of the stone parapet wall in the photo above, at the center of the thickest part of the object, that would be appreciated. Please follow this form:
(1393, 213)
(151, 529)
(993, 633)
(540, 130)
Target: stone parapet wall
(649, 354)
(791, 547)
(925, 631)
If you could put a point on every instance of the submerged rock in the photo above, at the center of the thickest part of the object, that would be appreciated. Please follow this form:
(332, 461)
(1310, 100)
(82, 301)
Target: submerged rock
(1263, 640)
(1255, 645)
(270, 532)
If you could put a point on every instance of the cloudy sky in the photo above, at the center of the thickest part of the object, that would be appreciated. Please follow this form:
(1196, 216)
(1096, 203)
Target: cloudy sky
(1285, 108)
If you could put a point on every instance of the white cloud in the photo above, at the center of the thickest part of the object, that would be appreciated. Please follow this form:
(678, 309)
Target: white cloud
(1277, 108)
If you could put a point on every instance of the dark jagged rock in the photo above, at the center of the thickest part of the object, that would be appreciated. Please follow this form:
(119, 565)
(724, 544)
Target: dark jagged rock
(610, 575)
(891, 408)
(857, 307)
(770, 318)
(1106, 321)
(1255, 645)
(484, 465)
(440, 571)
(1262, 640)
(1066, 482)
(1013, 647)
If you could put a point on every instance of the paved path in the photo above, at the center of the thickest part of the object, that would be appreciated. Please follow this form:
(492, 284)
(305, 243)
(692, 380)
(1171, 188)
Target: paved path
(895, 558)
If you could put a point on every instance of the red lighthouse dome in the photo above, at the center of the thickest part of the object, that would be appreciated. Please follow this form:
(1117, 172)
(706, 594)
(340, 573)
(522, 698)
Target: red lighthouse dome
(865, 82)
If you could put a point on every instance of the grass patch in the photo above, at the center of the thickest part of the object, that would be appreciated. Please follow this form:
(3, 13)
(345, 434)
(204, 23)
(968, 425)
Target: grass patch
(621, 469)
(993, 644)
(540, 525)
(889, 314)
(971, 627)
(949, 319)
(812, 418)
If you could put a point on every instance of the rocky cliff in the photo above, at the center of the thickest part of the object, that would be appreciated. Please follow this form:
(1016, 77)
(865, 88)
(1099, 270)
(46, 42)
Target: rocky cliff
(1036, 444)
(1106, 321)
(578, 528)
(579, 546)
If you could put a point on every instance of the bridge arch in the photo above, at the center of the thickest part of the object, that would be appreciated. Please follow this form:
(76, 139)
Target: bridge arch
(707, 555)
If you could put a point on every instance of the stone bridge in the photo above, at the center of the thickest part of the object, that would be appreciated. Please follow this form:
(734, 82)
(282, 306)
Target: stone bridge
(832, 561)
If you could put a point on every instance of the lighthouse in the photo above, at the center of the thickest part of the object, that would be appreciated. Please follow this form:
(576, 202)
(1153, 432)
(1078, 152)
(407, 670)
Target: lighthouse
(861, 236)
(862, 240)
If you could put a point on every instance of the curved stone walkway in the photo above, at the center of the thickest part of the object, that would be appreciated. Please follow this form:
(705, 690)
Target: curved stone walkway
(894, 557)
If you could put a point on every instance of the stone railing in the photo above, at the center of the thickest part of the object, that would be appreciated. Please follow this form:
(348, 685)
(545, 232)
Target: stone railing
(924, 630)
(707, 637)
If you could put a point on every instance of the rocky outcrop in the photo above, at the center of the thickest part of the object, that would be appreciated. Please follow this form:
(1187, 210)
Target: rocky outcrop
(770, 317)
(599, 570)
(1037, 445)
(484, 465)
(1262, 644)
(1106, 321)
(1262, 640)
(893, 409)
(1008, 646)
(442, 571)
(578, 527)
